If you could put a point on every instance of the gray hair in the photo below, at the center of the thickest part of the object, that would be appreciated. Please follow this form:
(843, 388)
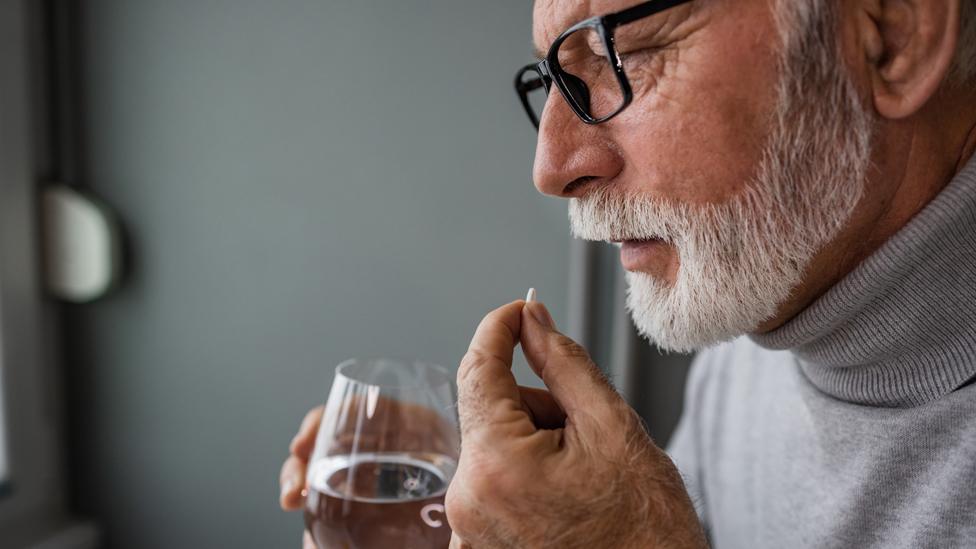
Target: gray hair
(734, 274)
(794, 15)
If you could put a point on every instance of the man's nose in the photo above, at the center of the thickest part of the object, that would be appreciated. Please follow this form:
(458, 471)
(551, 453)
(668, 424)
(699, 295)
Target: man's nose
(571, 155)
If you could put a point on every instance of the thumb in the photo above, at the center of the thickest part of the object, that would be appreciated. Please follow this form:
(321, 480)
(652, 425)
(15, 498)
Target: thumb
(565, 367)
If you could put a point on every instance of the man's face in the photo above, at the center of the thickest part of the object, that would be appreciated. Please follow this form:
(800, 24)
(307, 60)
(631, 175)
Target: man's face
(704, 86)
(724, 176)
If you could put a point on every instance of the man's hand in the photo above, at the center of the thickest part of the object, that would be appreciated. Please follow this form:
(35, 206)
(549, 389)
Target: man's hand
(292, 477)
(571, 467)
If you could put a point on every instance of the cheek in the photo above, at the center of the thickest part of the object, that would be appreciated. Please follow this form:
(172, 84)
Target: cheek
(696, 133)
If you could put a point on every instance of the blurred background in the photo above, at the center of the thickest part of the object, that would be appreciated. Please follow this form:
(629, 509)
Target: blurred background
(296, 183)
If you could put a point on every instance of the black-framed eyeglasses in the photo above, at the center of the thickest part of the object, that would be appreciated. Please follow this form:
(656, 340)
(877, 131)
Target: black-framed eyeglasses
(595, 86)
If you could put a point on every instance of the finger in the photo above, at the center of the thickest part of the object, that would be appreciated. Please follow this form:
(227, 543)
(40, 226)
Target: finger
(487, 391)
(307, 542)
(498, 333)
(303, 442)
(292, 481)
(542, 407)
(575, 382)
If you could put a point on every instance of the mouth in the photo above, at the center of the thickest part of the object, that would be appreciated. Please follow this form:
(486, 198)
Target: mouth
(643, 255)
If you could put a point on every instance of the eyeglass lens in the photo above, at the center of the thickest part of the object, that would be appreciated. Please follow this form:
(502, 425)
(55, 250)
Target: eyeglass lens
(588, 74)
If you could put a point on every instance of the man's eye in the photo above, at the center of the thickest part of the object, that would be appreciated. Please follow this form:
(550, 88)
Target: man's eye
(596, 45)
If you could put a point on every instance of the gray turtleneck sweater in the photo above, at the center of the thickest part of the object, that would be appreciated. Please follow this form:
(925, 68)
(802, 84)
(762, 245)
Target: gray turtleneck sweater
(854, 424)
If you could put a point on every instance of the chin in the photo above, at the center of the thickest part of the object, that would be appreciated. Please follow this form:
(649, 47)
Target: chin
(678, 320)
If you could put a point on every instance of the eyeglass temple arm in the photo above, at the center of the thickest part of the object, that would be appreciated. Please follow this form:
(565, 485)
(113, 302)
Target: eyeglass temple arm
(541, 69)
(531, 85)
(645, 9)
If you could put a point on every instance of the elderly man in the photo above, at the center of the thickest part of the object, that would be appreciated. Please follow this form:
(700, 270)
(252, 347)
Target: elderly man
(793, 171)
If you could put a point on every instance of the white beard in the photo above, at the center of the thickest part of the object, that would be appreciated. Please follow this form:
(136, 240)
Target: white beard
(740, 260)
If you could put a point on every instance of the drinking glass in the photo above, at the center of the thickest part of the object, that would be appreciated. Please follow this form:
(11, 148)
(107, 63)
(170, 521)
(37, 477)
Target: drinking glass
(385, 453)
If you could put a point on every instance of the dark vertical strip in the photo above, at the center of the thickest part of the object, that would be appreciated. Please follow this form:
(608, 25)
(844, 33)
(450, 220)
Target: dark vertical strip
(584, 266)
(64, 91)
(624, 343)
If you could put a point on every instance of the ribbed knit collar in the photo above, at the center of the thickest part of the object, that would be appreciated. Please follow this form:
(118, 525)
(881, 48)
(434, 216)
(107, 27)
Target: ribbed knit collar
(900, 329)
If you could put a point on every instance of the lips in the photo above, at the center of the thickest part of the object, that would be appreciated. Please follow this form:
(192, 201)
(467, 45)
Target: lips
(642, 255)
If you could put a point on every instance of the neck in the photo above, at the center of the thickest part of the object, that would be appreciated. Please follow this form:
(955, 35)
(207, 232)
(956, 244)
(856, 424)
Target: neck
(914, 159)
(900, 329)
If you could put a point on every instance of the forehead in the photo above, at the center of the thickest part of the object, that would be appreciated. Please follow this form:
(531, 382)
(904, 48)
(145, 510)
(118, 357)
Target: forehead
(551, 17)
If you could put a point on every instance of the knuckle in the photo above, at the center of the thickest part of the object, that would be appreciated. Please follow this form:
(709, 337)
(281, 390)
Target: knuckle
(482, 487)
(295, 445)
(568, 348)
(313, 415)
(312, 418)
(471, 361)
(460, 514)
(285, 472)
(310, 424)
(632, 432)
(290, 470)
(477, 482)
(499, 482)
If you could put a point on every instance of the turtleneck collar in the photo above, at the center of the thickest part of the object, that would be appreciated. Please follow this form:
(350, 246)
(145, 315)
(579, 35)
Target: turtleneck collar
(900, 329)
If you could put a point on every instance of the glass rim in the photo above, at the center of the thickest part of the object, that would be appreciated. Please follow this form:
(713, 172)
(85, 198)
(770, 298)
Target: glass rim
(341, 370)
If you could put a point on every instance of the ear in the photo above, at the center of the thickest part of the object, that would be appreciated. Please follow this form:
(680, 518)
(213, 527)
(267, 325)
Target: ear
(909, 46)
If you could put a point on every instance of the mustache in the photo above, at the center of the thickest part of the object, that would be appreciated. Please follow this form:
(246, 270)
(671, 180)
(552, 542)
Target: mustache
(608, 215)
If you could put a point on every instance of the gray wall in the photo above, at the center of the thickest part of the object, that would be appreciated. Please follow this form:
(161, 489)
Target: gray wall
(301, 182)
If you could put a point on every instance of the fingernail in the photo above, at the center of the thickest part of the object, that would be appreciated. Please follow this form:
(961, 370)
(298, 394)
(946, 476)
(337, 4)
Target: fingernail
(530, 297)
(288, 486)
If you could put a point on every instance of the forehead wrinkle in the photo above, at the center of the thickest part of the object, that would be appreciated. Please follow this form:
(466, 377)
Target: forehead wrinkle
(657, 26)
(552, 17)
